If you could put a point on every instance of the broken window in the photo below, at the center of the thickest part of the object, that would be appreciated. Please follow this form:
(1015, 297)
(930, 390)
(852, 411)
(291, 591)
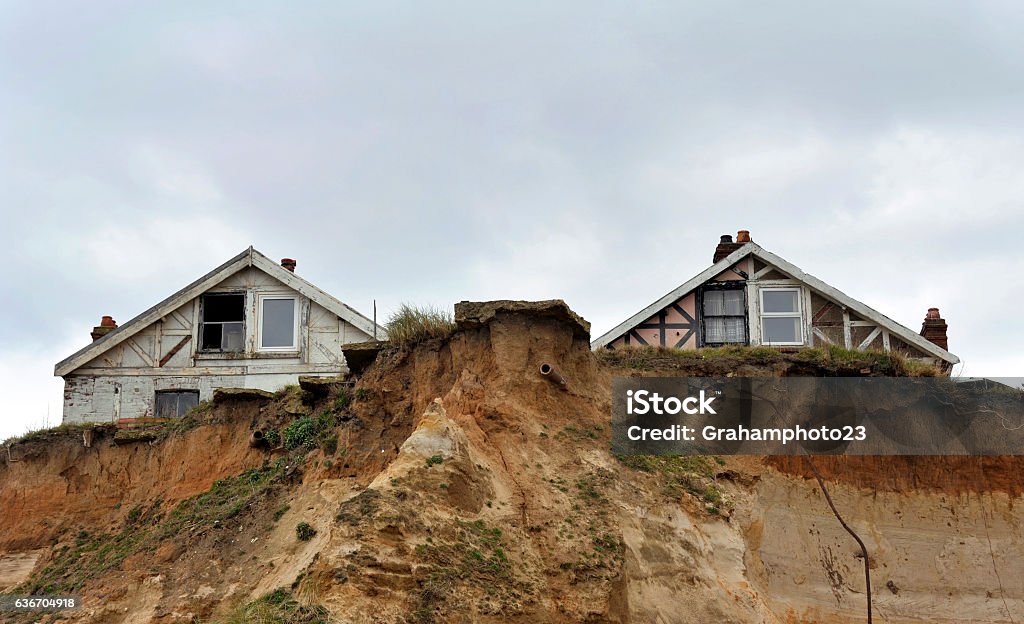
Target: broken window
(780, 316)
(277, 323)
(223, 323)
(175, 403)
(724, 316)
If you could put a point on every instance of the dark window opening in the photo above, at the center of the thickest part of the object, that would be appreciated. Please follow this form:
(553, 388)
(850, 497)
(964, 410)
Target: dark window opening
(223, 323)
(723, 314)
(175, 403)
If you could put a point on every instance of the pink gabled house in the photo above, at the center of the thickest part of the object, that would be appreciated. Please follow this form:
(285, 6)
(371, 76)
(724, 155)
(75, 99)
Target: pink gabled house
(750, 296)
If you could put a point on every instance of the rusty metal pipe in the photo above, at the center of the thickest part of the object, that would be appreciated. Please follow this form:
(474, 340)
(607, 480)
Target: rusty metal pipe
(548, 372)
(257, 439)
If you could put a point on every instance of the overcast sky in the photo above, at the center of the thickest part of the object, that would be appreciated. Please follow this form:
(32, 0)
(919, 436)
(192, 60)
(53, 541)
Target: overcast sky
(433, 152)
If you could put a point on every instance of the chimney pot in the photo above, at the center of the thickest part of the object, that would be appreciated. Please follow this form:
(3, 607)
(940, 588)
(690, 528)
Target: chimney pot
(107, 325)
(743, 236)
(289, 264)
(725, 247)
(934, 328)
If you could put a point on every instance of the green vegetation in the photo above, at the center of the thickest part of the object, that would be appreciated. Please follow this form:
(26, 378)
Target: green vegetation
(411, 324)
(720, 360)
(225, 500)
(342, 400)
(433, 460)
(694, 474)
(281, 512)
(580, 433)
(309, 432)
(304, 532)
(474, 557)
(358, 507)
(88, 557)
(277, 607)
(92, 555)
(66, 429)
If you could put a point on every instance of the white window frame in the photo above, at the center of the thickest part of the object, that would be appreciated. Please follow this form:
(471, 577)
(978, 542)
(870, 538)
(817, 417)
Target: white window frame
(259, 325)
(799, 314)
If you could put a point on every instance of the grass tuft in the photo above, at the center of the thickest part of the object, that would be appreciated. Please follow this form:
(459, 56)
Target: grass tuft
(412, 324)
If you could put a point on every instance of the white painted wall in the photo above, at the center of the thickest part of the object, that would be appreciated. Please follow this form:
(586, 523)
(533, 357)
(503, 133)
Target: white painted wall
(123, 381)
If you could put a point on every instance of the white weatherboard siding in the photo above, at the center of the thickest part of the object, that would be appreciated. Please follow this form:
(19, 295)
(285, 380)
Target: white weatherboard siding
(119, 375)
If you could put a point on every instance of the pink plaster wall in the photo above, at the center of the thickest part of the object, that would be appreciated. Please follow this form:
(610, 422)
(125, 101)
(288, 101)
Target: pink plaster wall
(688, 303)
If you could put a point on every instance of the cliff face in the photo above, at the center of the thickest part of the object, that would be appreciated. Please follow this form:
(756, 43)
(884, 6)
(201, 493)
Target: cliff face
(455, 483)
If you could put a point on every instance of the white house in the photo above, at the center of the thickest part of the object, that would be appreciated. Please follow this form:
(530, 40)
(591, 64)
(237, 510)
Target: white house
(249, 323)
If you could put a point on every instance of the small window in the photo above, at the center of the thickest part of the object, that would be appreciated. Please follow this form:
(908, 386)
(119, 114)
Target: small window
(781, 319)
(278, 328)
(223, 323)
(724, 316)
(175, 403)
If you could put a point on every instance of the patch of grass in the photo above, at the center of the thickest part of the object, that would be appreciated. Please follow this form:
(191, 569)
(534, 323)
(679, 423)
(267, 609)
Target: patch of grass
(412, 324)
(134, 514)
(342, 400)
(281, 512)
(360, 506)
(277, 607)
(433, 460)
(92, 555)
(65, 429)
(829, 361)
(309, 432)
(225, 500)
(694, 474)
(474, 556)
(304, 532)
(589, 487)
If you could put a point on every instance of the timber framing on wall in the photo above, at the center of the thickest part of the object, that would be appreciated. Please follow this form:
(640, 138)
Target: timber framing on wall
(167, 309)
(839, 319)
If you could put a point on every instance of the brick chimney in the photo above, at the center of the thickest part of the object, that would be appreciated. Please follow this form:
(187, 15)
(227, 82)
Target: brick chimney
(726, 246)
(107, 325)
(934, 328)
(289, 264)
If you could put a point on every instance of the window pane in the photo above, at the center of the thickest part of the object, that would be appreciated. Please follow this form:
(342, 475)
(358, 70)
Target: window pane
(172, 404)
(186, 401)
(278, 323)
(166, 405)
(779, 300)
(211, 337)
(232, 337)
(735, 330)
(733, 302)
(724, 330)
(714, 303)
(780, 329)
(223, 308)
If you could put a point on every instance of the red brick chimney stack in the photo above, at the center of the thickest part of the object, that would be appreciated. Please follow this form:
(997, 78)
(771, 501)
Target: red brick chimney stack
(107, 325)
(934, 328)
(289, 264)
(726, 246)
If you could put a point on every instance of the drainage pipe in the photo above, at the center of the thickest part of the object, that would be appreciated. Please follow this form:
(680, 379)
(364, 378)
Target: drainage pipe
(548, 372)
(257, 439)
